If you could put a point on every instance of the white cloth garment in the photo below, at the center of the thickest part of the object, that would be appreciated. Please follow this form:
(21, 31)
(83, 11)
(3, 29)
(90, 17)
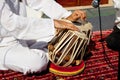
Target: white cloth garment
(17, 29)
(117, 7)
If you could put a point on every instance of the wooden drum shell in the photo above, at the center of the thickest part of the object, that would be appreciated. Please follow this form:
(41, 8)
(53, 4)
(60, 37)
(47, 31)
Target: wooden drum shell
(68, 46)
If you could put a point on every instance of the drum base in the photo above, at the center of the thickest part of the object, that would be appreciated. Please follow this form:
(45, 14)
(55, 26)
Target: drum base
(66, 71)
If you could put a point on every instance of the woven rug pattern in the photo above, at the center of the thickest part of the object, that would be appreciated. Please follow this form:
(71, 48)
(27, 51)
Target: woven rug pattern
(96, 67)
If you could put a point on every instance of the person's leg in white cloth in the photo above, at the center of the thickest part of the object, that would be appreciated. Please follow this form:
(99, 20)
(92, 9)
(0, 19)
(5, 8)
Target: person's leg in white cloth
(20, 58)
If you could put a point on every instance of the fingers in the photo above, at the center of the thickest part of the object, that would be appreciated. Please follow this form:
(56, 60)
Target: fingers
(65, 25)
(80, 14)
(77, 14)
(83, 16)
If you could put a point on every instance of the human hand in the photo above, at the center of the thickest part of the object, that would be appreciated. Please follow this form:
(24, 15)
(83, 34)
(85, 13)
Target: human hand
(59, 24)
(77, 14)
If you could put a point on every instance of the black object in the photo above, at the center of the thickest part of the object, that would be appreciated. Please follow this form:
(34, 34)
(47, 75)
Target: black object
(113, 40)
(96, 4)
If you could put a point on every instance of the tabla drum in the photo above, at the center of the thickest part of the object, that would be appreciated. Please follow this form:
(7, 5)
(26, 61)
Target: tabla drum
(68, 47)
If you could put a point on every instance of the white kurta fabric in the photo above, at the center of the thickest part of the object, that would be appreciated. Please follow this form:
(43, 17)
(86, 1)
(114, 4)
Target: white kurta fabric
(17, 29)
(117, 7)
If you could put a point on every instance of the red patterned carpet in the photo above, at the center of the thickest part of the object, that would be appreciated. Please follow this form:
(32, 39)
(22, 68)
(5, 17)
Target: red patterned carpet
(96, 67)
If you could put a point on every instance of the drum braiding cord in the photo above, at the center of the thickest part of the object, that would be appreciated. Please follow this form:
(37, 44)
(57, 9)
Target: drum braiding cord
(104, 52)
